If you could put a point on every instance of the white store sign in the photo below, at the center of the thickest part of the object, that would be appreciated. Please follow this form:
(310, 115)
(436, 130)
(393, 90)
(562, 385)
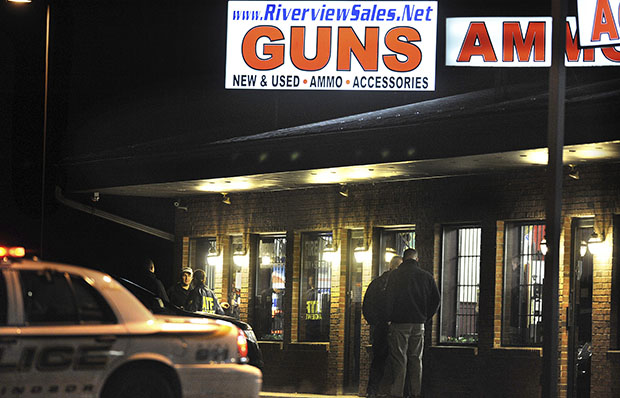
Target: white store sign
(336, 45)
(599, 22)
(517, 42)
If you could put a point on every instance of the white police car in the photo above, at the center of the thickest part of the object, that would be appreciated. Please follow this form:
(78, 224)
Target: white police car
(67, 331)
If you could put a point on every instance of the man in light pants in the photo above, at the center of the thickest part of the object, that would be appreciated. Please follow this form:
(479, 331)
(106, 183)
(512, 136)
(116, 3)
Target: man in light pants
(412, 300)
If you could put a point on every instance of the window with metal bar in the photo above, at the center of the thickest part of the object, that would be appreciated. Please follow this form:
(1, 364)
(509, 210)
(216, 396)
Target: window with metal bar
(270, 288)
(317, 256)
(460, 285)
(524, 266)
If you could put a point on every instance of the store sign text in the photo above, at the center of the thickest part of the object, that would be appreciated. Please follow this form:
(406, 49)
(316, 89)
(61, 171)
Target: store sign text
(517, 42)
(599, 22)
(306, 45)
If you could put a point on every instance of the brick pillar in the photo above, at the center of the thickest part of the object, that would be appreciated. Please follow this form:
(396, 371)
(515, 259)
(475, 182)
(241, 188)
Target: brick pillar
(185, 252)
(251, 287)
(499, 283)
(436, 273)
(602, 377)
(337, 316)
(221, 283)
(293, 273)
(488, 280)
(365, 346)
(564, 302)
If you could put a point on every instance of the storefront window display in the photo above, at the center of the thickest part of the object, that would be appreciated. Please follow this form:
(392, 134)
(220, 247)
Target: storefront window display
(270, 288)
(315, 286)
(524, 266)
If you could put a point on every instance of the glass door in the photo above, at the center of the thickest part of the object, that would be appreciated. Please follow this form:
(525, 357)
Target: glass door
(580, 310)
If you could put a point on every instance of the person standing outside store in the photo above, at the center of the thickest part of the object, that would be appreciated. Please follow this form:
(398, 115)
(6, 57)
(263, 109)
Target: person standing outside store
(179, 292)
(374, 309)
(201, 298)
(148, 280)
(412, 300)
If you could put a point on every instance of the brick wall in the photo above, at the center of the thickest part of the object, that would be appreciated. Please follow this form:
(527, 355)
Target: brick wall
(490, 200)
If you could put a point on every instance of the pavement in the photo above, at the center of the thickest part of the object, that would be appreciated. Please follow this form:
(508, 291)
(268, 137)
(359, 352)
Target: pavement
(301, 395)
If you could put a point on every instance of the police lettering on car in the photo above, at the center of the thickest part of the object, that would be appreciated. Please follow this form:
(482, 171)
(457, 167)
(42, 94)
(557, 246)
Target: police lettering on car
(69, 331)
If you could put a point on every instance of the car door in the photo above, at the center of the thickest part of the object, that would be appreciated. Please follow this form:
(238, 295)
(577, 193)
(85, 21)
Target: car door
(10, 350)
(70, 336)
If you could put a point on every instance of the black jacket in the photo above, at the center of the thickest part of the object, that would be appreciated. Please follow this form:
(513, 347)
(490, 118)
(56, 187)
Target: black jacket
(412, 294)
(202, 299)
(149, 281)
(374, 305)
(178, 295)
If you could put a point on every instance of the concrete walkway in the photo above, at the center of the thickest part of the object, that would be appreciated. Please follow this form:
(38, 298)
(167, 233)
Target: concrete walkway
(301, 395)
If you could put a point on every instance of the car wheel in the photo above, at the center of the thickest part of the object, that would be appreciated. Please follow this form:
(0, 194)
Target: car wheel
(138, 383)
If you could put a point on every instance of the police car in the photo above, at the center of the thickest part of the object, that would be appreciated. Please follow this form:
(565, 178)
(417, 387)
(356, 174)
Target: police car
(67, 331)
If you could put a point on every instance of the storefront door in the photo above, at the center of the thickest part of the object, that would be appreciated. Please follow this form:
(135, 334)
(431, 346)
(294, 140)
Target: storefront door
(579, 320)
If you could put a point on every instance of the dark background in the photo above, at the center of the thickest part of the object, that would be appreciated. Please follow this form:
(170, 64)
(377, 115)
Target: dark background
(126, 72)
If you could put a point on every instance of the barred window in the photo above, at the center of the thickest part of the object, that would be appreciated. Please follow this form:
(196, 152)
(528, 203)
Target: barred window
(460, 285)
(270, 288)
(315, 287)
(524, 266)
(203, 255)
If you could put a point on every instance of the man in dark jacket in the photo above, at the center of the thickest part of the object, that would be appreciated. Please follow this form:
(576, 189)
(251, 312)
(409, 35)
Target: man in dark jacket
(374, 309)
(179, 292)
(201, 298)
(412, 300)
(148, 280)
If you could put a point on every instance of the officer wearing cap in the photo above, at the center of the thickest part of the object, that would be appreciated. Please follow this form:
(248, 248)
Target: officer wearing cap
(179, 291)
(201, 298)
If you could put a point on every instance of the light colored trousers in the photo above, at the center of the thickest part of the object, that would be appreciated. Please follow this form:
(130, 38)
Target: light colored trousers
(406, 342)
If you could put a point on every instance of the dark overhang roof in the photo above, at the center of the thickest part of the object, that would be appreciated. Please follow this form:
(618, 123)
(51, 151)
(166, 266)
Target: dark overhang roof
(484, 129)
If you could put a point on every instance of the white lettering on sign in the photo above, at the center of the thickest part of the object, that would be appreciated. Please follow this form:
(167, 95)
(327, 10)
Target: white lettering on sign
(336, 45)
(517, 42)
(599, 22)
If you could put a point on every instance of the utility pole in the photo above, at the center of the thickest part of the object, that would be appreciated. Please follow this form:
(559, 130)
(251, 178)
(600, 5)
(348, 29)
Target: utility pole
(555, 141)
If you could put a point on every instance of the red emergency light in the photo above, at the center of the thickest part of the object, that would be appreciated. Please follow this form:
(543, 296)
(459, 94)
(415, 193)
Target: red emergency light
(12, 251)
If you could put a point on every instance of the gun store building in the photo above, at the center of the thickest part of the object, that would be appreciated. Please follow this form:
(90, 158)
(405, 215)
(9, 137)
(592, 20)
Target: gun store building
(295, 158)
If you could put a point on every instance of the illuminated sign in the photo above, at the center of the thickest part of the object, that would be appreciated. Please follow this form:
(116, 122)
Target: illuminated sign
(599, 22)
(335, 45)
(517, 42)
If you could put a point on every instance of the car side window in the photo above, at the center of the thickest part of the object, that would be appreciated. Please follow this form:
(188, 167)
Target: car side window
(92, 308)
(3, 300)
(47, 298)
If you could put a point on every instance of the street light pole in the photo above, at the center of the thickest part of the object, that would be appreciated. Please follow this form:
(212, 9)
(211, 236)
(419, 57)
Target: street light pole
(44, 143)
